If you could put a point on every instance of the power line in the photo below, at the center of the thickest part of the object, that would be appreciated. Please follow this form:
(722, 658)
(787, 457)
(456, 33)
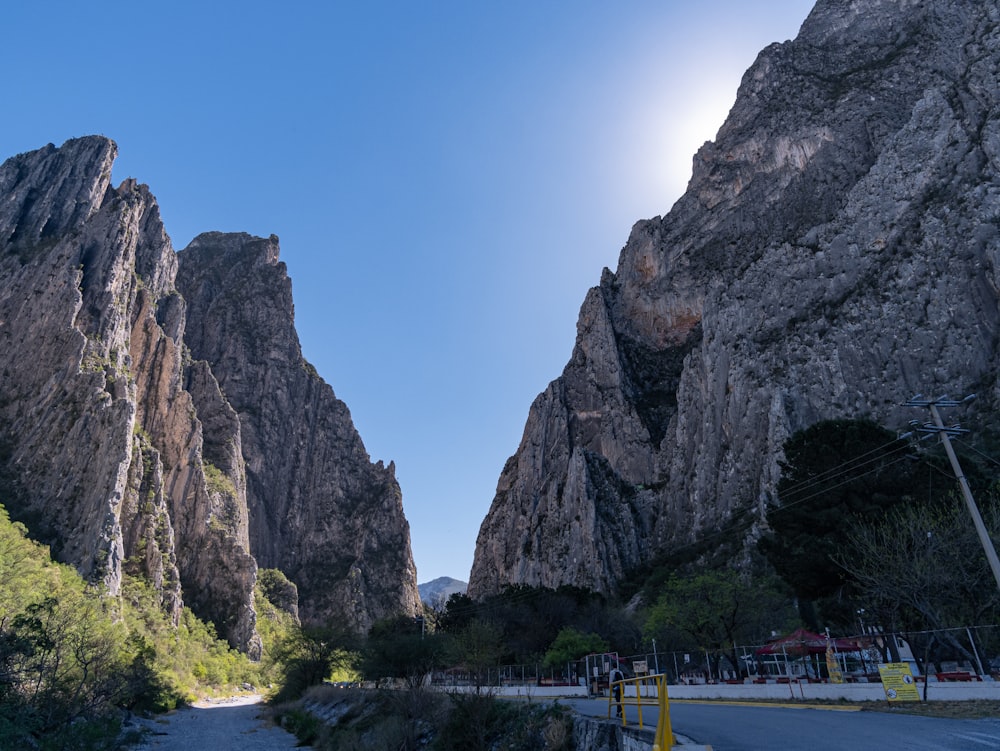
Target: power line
(879, 450)
(841, 470)
(826, 488)
(938, 427)
(499, 601)
(820, 482)
(972, 448)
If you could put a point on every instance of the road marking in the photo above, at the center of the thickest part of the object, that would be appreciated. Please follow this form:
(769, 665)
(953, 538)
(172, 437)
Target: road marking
(827, 707)
(980, 738)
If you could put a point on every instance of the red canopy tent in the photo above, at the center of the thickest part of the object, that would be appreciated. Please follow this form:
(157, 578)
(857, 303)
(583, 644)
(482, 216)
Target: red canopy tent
(802, 642)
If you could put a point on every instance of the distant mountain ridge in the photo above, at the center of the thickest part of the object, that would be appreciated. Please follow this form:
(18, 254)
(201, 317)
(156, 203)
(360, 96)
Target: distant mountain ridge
(436, 592)
(837, 251)
(157, 417)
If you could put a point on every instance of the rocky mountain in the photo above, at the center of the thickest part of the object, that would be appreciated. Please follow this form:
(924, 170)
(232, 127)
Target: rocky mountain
(436, 592)
(186, 441)
(319, 510)
(836, 252)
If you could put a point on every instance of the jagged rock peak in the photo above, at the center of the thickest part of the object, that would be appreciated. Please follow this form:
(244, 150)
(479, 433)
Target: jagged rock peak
(125, 454)
(222, 246)
(101, 446)
(312, 490)
(51, 192)
(835, 252)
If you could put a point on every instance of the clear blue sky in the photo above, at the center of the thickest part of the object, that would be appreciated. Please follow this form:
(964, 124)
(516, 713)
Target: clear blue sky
(447, 180)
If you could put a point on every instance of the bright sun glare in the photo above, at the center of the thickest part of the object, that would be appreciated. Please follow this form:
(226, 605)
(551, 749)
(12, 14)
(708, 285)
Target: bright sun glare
(667, 133)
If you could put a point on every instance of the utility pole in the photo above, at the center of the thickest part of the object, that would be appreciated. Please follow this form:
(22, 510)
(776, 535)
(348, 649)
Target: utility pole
(946, 433)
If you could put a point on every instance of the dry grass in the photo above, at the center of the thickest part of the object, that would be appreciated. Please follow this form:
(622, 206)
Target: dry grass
(958, 710)
(555, 734)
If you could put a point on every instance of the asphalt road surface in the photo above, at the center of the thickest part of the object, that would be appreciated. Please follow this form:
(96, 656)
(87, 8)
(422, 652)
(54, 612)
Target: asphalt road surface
(731, 727)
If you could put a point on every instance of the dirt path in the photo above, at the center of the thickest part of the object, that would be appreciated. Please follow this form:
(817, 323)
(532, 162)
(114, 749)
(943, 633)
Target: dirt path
(230, 725)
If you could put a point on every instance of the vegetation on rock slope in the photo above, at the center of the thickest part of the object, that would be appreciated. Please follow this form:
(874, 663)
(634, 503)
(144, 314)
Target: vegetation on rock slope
(72, 658)
(72, 655)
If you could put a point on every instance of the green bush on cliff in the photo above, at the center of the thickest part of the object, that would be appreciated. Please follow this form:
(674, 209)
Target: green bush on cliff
(64, 660)
(71, 657)
(188, 657)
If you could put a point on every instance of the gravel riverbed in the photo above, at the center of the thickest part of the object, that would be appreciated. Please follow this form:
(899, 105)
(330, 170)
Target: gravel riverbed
(235, 724)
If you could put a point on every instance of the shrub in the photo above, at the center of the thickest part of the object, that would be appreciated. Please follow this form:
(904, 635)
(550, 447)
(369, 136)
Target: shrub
(69, 658)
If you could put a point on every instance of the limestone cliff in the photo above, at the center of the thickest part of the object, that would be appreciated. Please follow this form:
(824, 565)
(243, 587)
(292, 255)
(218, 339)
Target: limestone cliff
(319, 509)
(836, 251)
(115, 447)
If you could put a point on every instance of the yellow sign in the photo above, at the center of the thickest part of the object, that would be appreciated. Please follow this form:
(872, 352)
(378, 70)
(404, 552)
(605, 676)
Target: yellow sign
(832, 666)
(897, 680)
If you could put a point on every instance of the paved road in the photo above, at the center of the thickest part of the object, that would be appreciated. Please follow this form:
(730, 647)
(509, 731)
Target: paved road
(728, 727)
(234, 725)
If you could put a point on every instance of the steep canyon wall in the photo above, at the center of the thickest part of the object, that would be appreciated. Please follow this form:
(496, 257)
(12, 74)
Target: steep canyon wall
(134, 438)
(836, 252)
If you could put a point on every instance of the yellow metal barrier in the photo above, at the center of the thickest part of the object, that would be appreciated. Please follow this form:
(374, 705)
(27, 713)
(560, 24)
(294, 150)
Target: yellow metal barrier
(650, 691)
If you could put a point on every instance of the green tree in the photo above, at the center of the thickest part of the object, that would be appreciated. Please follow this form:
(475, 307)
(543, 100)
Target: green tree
(570, 645)
(308, 656)
(836, 474)
(401, 648)
(923, 568)
(459, 611)
(714, 610)
(65, 661)
(276, 603)
(532, 616)
(478, 647)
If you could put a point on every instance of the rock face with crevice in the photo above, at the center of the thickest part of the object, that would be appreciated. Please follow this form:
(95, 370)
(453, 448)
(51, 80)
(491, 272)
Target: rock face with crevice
(119, 445)
(319, 510)
(836, 252)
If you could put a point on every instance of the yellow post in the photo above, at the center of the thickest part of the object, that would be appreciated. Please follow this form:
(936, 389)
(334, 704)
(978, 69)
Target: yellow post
(664, 738)
(638, 697)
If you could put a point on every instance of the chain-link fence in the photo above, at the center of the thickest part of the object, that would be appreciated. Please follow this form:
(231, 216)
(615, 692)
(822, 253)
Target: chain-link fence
(961, 653)
(509, 675)
(954, 654)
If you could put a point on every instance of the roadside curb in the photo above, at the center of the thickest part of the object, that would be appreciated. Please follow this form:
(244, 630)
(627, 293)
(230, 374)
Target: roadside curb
(686, 744)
